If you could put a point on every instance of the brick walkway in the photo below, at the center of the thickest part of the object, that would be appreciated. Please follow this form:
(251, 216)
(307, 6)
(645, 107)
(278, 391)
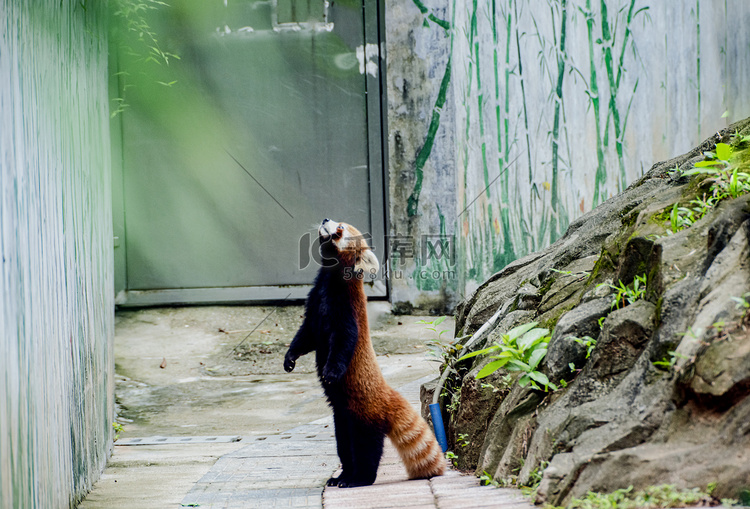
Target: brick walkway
(286, 470)
(290, 469)
(393, 490)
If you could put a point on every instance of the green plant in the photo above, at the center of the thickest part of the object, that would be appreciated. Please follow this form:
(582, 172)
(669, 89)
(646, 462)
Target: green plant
(444, 351)
(684, 217)
(742, 302)
(463, 439)
(719, 158)
(669, 362)
(535, 479)
(652, 497)
(504, 384)
(452, 457)
(520, 350)
(118, 428)
(138, 40)
(628, 294)
(581, 274)
(486, 480)
(587, 341)
(727, 179)
(452, 392)
(452, 407)
(441, 349)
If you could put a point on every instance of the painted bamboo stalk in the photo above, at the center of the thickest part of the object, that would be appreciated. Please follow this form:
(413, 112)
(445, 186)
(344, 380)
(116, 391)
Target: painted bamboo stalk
(490, 239)
(500, 259)
(509, 252)
(612, 105)
(614, 83)
(698, 59)
(555, 196)
(473, 250)
(412, 202)
(600, 179)
(527, 225)
(522, 80)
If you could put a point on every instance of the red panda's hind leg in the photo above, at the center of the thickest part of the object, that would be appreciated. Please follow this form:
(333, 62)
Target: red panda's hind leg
(360, 447)
(342, 427)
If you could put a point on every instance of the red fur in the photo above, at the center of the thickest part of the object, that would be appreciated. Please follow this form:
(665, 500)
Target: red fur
(371, 398)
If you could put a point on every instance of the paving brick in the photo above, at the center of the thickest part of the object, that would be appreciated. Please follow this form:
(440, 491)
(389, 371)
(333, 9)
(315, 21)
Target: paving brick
(290, 470)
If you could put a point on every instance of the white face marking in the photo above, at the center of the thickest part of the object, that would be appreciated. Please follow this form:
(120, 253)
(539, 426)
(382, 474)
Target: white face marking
(345, 241)
(327, 228)
(348, 241)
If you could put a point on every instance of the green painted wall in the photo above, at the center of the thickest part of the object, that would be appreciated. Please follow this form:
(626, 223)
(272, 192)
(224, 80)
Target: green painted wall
(56, 291)
(567, 102)
(421, 155)
(559, 104)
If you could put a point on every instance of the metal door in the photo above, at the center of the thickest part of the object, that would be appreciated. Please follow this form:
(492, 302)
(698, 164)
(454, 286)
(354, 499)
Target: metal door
(273, 123)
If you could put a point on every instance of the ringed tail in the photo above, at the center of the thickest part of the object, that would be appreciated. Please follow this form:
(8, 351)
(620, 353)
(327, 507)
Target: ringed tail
(414, 440)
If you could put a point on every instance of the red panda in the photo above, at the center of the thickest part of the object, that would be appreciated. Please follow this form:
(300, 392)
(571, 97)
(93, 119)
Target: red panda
(365, 407)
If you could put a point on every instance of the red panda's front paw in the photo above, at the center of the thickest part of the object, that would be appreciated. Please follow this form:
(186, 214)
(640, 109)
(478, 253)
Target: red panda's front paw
(289, 363)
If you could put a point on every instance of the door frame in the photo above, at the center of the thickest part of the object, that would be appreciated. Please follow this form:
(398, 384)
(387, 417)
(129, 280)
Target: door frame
(377, 144)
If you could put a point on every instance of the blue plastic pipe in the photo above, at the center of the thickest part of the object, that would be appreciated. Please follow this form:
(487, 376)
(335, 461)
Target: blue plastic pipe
(437, 425)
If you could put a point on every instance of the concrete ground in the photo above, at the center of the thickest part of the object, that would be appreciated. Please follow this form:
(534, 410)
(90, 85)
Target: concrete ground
(217, 372)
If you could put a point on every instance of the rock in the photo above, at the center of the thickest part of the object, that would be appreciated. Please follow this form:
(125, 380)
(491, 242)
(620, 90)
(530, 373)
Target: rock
(426, 391)
(640, 257)
(528, 297)
(671, 317)
(564, 292)
(491, 295)
(478, 402)
(512, 320)
(724, 227)
(683, 464)
(728, 276)
(502, 434)
(579, 322)
(622, 340)
(621, 419)
(723, 371)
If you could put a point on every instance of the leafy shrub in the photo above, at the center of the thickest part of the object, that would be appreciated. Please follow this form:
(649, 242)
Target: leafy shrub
(521, 349)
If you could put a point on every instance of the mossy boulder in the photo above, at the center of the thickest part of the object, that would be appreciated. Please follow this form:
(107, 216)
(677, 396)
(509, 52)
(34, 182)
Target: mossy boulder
(664, 397)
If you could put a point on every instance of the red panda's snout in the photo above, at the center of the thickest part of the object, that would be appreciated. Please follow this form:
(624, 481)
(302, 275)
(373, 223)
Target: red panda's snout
(329, 229)
(344, 236)
(350, 245)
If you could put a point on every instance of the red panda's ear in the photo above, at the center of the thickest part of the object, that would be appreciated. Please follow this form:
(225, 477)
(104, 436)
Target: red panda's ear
(367, 262)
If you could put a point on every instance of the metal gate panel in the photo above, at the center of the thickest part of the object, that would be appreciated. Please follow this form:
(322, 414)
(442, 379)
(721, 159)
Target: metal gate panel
(269, 129)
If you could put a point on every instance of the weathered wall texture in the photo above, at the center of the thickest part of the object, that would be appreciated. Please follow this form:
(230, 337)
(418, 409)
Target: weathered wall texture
(56, 293)
(421, 155)
(556, 105)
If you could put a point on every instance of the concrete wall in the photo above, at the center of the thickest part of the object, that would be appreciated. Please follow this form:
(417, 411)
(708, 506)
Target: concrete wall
(557, 105)
(421, 144)
(56, 291)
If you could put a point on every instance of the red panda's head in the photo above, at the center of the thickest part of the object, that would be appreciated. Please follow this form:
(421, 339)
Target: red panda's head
(348, 245)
